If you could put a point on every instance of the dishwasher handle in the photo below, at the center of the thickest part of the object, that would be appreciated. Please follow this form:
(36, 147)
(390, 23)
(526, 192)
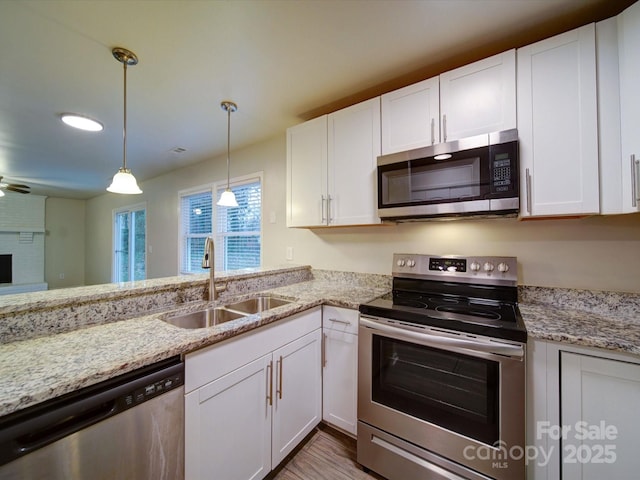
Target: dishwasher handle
(51, 426)
(26, 431)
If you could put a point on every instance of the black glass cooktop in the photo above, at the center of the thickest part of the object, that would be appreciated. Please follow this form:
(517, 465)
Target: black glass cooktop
(478, 309)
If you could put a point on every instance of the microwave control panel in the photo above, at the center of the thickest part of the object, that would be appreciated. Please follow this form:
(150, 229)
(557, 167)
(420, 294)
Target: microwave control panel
(503, 164)
(502, 177)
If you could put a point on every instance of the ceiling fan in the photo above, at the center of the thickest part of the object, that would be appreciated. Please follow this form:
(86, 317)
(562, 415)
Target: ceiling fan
(13, 187)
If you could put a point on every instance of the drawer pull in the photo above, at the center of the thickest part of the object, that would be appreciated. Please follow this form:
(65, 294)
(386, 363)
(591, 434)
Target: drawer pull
(342, 322)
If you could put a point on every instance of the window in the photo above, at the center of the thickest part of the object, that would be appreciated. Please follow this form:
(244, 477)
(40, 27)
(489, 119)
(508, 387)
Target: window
(129, 240)
(238, 231)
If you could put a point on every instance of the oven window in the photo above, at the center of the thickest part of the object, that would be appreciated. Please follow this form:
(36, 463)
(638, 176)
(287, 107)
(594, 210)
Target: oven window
(454, 391)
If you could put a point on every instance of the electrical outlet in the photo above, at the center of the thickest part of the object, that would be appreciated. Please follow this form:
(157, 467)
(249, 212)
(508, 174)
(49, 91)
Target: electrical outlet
(289, 253)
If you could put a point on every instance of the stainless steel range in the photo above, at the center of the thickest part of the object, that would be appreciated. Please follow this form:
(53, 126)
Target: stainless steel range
(441, 371)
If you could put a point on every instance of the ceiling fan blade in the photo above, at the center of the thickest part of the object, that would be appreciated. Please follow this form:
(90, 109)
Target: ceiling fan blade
(14, 188)
(18, 185)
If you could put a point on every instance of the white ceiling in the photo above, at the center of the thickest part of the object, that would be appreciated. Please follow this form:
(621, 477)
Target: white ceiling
(279, 60)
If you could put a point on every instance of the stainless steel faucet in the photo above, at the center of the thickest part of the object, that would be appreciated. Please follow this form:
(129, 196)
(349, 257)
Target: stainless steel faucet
(208, 261)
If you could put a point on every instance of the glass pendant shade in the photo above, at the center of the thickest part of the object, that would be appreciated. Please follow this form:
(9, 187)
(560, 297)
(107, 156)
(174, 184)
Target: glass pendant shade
(124, 182)
(227, 199)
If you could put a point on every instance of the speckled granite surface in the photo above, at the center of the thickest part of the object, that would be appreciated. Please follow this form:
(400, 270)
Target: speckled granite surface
(38, 369)
(608, 320)
(118, 330)
(38, 314)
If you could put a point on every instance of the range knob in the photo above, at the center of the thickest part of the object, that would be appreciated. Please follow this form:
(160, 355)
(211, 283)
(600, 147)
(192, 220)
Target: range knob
(475, 266)
(400, 263)
(488, 267)
(411, 263)
(503, 267)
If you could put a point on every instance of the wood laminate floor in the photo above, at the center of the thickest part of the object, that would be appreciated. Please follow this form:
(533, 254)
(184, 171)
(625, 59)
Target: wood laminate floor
(326, 455)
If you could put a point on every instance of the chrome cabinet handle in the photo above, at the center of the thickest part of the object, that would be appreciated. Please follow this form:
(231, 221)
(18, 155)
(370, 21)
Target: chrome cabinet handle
(279, 389)
(444, 127)
(528, 183)
(324, 350)
(322, 207)
(433, 131)
(635, 167)
(270, 394)
(329, 219)
(337, 320)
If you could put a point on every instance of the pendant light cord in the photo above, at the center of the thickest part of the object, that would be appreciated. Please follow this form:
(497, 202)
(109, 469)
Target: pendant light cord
(228, 142)
(124, 128)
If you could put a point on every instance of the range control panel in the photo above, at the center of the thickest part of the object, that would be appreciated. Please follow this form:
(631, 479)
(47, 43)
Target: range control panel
(479, 269)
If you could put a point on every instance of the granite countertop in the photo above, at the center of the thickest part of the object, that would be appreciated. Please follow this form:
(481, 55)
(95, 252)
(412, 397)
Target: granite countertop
(608, 320)
(38, 369)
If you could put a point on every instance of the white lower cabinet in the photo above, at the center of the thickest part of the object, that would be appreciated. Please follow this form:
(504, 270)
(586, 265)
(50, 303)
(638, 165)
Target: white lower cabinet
(262, 395)
(582, 413)
(599, 407)
(340, 368)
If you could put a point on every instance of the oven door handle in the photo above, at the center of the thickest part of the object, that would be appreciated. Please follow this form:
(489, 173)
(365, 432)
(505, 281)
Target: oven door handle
(439, 341)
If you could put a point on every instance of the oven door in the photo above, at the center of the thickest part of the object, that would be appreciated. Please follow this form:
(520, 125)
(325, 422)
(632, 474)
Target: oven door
(457, 396)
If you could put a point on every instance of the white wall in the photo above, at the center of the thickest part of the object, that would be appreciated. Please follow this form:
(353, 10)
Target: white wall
(22, 236)
(598, 253)
(64, 242)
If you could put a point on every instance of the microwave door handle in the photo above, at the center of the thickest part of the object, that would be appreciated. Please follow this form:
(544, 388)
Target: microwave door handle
(438, 341)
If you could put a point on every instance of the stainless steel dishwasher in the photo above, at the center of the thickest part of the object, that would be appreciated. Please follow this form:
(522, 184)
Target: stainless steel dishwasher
(128, 427)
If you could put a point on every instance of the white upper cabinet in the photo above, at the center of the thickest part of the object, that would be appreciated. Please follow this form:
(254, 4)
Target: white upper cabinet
(331, 168)
(479, 98)
(558, 125)
(411, 117)
(307, 173)
(609, 145)
(471, 100)
(354, 146)
(629, 57)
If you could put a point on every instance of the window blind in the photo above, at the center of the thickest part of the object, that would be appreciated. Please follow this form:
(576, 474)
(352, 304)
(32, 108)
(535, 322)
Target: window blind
(196, 224)
(239, 230)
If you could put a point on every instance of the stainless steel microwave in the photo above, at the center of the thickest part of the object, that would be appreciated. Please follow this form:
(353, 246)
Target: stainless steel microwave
(473, 176)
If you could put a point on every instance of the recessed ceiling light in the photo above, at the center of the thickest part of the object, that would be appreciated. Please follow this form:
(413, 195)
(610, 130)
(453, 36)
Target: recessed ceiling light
(81, 122)
(443, 156)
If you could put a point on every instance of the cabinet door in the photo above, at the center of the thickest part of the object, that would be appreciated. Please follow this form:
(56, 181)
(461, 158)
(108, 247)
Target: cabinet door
(604, 395)
(557, 125)
(340, 380)
(411, 117)
(297, 393)
(479, 98)
(228, 425)
(628, 44)
(354, 145)
(307, 173)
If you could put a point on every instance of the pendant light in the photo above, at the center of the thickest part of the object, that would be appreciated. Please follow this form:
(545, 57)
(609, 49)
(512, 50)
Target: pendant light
(228, 199)
(124, 181)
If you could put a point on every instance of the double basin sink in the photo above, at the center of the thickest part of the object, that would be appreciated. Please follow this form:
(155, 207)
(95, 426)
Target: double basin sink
(216, 315)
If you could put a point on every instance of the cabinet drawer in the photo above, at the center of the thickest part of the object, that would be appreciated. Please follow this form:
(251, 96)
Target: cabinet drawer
(340, 319)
